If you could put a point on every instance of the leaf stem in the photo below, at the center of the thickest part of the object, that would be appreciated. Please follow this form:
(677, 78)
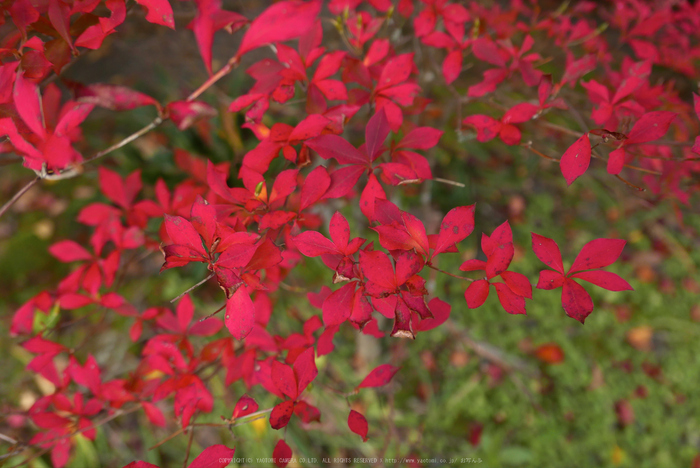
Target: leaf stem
(449, 274)
(449, 182)
(193, 287)
(225, 70)
(156, 122)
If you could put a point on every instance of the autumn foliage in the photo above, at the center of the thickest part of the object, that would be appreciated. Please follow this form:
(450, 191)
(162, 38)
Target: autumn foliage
(354, 135)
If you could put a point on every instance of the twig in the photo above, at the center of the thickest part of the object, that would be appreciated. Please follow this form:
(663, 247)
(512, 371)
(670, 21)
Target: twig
(449, 182)
(189, 446)
(193, 287)
(18, 195)
(7, 438)
(225, 70)
(227, 423)
(156, 122)
(528, 145)
(294, 289)
(449, 274)
(561, 129)
(213, 313)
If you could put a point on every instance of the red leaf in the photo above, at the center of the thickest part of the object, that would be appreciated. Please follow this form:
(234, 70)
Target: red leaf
(408, 264)
(120, 191)
(266, 255)
(576, 301)
(510, 134)
(69, 251)
(181, 232)
(487, 50)
(511, 302)
(372, 192)
(185, 113)
(315, 185)
(550, 280)
(343, 181)
(548, 252)
(616, 160)
(310, 127)
(396, 71)
(520, 113)
(154, 414)
(477, 293)
(305, 369)
(59, 16)
(421, 138)
(624, 412)
(158, 12)
(244, 406)
(518, 283)
(456, 226)
(377, 268)
(486, 127)
(551, 353)
(605, 280)
(240, 314)
(402, 321)
(379, 376)
(28, 104)
(283, 377)
(452, 66)
(281, 414)
(499, 260)
(575, 161)
(376, 132)
(441, 312)
(358, 424)
(340, 231)
(282, 454)
(280, 22)
(598, 253)
(307, 412)
(313, 244)
(114, 97)
(215, 456)
(651, 126)
(334, 146)
(210, 17)
(337, 307)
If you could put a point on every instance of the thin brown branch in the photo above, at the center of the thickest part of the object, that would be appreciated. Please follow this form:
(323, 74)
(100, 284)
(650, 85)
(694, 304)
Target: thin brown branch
(193, 287)
(225, 70)
(636, 187)
(449, 182)
(628, 166)
(528, 145)
(18, 195)
(189, 447)
(8, 439)
(213, 313)
(156, 122)
(561, 129)
(449, 274)
(227, 423)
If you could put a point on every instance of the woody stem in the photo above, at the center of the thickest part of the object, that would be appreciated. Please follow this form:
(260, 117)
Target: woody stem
(449, 274)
